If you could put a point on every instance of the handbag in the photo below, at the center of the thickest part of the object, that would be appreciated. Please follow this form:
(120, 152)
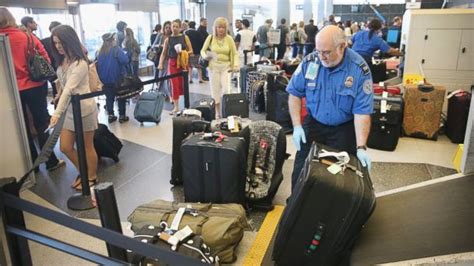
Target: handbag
(94, 82)
(39, 69)
(204, 63)
(128, 87)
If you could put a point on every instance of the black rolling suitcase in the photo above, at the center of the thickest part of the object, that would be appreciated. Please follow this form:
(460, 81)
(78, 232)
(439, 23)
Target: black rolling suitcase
(183, 126)
(458, 113)
(324, 214)
(387, 121)
(277, 101)
(213, 170)
(235, 104)
(207, 108)
(106, 143)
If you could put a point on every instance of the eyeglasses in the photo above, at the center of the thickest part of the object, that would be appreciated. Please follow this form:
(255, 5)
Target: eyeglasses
(326, 53)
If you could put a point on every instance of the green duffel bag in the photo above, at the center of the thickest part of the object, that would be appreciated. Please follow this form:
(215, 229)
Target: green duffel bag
(221, 226)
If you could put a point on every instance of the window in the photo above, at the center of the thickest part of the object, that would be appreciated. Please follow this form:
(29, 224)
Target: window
(169, 10)
(97, 19)
(141, 24)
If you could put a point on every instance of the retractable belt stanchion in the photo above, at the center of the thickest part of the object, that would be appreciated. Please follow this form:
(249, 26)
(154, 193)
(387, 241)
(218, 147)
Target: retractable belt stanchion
(80, 201)
(83, 201)
(109, 216)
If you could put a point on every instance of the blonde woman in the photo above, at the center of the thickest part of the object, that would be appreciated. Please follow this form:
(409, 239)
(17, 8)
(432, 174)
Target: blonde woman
(223, 59)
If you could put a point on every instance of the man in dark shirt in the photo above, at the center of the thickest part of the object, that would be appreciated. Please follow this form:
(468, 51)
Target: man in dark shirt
(202, 29)
(197, 42)
(48, 45)
(284, 31)
(311, 30)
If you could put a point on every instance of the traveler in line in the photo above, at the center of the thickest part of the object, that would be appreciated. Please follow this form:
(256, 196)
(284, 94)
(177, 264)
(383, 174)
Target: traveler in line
(170, 53)
(310, 30)
(197, 41)
(133, 52)
(32, 93)
(223, 59)
(73, 77)
(262, 38)
(245, 40)
(111, 63)
(284, 39)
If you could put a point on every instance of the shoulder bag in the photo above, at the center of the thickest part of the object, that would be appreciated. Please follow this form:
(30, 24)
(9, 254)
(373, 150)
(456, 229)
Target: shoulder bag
(202, 61)
(39, 68)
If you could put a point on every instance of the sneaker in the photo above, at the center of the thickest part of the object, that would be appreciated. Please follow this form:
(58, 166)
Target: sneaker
(112, 118)
(191, 81)
(123, 118)
(56, 166)
(205, 78)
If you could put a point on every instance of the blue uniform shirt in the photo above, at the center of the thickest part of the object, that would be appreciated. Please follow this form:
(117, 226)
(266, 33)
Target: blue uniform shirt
(365, 46)
(334, 96)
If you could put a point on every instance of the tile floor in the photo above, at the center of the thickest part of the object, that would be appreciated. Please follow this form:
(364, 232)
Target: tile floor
(146, 172)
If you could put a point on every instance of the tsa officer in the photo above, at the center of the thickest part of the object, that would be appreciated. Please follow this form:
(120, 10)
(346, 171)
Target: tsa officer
(337, 85)
(366, 43)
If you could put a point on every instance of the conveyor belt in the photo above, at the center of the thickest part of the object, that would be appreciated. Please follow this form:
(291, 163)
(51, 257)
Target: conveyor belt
(433, 220)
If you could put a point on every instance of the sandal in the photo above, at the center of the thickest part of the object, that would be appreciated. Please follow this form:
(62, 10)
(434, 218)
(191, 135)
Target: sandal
(76, 182)
(92, 182)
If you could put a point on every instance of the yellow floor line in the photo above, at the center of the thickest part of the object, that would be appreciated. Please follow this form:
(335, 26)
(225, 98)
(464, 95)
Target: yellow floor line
(264, 236)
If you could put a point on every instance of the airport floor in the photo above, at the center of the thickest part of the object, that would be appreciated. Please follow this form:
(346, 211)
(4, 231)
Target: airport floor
(143, 173)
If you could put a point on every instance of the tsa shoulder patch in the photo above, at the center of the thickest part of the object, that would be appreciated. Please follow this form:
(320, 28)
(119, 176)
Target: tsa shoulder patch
(367, 86)
(365, 68)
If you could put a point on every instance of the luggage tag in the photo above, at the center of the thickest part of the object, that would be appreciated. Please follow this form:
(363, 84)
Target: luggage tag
(383, 103)
(334, 169)
(312, 71)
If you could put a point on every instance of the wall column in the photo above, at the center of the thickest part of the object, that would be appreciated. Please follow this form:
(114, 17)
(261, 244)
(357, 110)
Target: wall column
(283, 11)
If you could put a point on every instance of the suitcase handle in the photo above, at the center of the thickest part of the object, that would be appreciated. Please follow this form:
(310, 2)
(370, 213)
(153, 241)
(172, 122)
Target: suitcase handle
(425, 88)
(200, 126)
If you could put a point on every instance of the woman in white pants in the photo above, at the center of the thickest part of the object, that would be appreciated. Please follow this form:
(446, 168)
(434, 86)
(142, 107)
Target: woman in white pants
(219, 48)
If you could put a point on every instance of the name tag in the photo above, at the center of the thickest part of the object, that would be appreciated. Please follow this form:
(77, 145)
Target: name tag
(311, 84)
(312, 71)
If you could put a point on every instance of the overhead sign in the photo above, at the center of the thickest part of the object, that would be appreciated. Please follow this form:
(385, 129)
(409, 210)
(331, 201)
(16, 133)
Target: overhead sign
(413, 5)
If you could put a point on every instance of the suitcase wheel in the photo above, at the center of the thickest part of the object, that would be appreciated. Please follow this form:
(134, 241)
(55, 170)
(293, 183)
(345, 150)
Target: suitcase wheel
(116, 159)
(252, 195)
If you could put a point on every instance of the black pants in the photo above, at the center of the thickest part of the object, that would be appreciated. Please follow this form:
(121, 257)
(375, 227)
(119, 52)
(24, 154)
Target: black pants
(35, 100)
(110, 98)
(341, 137)
(308, 48)
(281, 51)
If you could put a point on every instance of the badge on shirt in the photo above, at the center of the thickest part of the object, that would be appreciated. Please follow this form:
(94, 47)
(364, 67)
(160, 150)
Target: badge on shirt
(367, 86)
(312, 71)
(349, 81)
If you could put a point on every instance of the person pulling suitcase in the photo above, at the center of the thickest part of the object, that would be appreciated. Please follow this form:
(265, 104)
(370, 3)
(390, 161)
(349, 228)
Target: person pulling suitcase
(341, 118)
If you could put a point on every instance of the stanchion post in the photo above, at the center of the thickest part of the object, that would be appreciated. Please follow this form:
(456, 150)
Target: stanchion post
(109, 216)
(17, 246)
(186, 88)
(80, 201)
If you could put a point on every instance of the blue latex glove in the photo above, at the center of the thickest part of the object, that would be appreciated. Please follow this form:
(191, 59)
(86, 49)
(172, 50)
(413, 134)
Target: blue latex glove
(298, 137)
(364, 158)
